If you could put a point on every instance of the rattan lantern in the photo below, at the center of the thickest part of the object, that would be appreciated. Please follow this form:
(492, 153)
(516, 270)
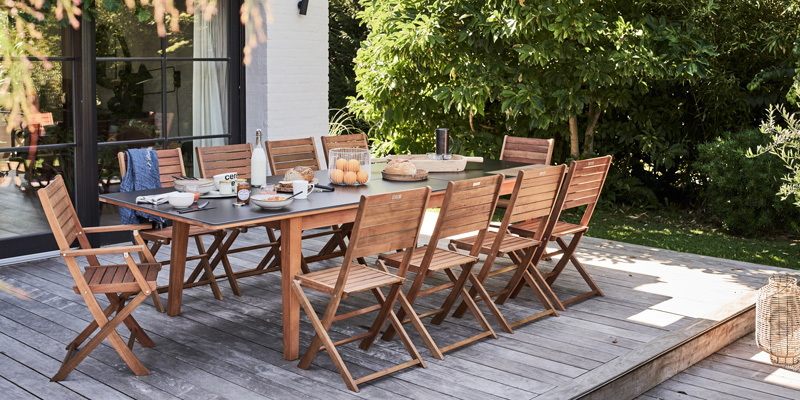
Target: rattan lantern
(778, 319)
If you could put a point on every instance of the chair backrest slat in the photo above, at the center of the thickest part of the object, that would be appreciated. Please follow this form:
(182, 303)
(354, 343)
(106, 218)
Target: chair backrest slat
(284, 155)
(468, 206)
(354, 141)
(214, 160)
(387, 222)
(170, 162)
(534, 193)
(527, 150)
(60, 213)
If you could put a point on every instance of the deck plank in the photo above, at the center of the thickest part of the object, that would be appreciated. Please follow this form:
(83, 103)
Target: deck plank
(230, 348)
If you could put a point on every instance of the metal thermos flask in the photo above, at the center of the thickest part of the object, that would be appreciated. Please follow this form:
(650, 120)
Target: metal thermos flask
(442, 141)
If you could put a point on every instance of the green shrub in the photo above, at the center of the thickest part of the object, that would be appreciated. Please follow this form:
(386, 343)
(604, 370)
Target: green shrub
(741, 192)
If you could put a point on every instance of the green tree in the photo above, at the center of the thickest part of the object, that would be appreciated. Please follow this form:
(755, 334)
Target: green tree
(490, 68)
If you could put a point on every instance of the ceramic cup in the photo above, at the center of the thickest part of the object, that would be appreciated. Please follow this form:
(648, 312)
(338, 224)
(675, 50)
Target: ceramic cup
(227, 186)
(226, 176)
(302, 187)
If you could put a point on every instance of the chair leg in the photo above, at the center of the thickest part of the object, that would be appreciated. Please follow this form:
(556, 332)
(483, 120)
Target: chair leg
(322, 338)
(107, 330)
(407, 309)
(386, 312)
(212, 281)
(136, 330)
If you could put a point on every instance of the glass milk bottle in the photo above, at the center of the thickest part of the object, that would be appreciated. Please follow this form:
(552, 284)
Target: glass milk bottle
(258, 163)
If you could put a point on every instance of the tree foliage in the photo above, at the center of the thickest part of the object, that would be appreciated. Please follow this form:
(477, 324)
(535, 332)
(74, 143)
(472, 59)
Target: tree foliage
(785, 144)
(490, 68)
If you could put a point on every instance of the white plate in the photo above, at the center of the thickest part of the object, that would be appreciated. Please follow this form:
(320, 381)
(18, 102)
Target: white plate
(260, 200)
(214, 194)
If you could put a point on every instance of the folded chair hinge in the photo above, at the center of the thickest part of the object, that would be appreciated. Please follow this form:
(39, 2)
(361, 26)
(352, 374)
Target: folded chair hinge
(125, 255)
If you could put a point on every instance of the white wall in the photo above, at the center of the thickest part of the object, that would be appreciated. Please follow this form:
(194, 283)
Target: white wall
(287, 81)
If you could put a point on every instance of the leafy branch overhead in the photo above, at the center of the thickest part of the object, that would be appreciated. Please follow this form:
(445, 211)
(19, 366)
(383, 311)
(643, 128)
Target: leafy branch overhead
(19, 31)
(514, 66)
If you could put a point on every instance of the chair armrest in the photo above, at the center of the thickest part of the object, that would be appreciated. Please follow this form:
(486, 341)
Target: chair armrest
(117, 228)
(103, 250)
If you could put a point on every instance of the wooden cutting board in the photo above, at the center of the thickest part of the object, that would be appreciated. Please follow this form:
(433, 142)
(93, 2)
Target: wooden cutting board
(455, 164)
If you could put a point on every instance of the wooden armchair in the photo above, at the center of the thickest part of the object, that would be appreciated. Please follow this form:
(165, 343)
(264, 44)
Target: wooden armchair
(117, 282)
(384, 222)
(170, 162)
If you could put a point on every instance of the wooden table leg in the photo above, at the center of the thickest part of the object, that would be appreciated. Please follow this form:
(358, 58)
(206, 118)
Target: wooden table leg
(177, 266)
(291, 258)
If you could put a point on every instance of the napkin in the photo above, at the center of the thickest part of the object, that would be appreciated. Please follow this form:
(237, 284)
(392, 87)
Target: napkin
(153, 199)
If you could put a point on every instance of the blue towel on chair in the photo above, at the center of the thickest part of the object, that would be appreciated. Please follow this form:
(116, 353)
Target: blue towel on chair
(142, 175)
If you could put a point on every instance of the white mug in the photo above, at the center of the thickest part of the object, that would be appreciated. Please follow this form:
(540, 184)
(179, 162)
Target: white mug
(227, 186)
(302, 187)
(226, 176)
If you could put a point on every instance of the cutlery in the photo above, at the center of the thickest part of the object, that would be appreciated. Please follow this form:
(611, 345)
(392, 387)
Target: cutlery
(292, 196)
(325, 188)
(195, 209)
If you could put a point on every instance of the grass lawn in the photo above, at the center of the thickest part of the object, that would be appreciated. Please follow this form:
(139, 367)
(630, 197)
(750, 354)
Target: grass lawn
(686, 232)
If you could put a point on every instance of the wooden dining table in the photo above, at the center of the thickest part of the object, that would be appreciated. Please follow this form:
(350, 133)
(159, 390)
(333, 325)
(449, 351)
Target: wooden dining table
(321, 209)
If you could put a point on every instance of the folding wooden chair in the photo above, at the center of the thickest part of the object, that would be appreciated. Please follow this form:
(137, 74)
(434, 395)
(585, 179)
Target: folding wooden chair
(354, 141)
(525, 150)
(283, 155)
(384, 222)
(215, 160)
(468, 206)
(117, 282)
(170, 162)
(534, 195)
(582, 187)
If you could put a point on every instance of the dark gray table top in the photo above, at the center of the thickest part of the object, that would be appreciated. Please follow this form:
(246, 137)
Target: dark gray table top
(225, 214)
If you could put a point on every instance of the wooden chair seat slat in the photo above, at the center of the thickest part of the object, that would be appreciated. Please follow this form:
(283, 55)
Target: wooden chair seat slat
(118, 278)
(442, 259)
(528, 228)
(361, 278)
(510, 243)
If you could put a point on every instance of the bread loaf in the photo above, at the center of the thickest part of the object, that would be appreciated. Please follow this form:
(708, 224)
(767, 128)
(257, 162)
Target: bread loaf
(401, 167)
(299, 173)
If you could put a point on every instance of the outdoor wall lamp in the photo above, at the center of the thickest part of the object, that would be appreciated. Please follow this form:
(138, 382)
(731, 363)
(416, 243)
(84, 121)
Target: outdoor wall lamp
(302, 5)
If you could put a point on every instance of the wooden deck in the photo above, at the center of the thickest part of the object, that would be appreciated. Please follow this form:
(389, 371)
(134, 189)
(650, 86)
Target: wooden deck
(232, 348)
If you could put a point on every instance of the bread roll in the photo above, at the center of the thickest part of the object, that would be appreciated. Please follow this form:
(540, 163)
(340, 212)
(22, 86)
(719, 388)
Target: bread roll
(299, 173)
(401, 167)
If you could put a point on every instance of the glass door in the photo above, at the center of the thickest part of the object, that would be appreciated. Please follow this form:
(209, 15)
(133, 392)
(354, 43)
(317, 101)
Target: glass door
(31, 155)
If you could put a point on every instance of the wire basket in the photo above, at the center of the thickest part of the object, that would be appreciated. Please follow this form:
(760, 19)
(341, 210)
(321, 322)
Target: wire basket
(349, 166)
(778, 319)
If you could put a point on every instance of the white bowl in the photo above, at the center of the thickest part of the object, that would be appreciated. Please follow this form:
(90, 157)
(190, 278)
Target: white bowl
(181, 200)
(261, 201)
(204, 185)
